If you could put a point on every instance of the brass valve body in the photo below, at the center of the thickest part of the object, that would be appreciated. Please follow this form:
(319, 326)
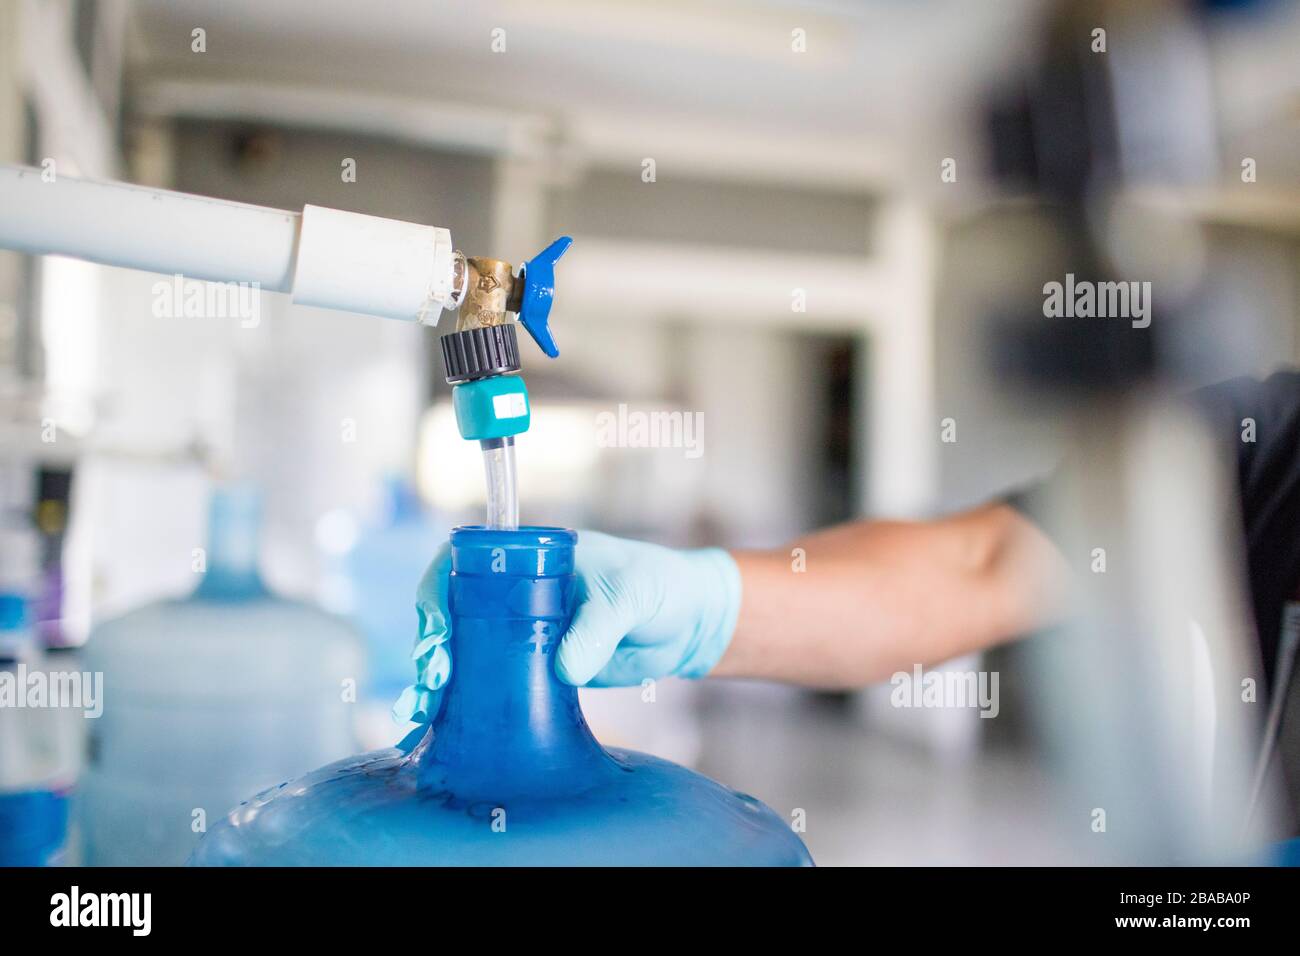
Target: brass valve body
(490, 293)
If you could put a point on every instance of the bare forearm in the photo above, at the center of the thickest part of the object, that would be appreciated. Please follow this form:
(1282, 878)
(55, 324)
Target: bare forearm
(852, 604)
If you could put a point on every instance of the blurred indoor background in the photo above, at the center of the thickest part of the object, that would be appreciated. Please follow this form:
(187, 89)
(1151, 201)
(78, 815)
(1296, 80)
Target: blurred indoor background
(762, 235)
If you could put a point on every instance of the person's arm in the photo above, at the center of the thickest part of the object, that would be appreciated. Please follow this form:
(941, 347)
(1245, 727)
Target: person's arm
(860, 601)
(872, 597)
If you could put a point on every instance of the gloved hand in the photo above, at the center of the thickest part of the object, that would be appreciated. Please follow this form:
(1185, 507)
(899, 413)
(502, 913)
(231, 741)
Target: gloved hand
(647, 611)
(431, 655)
(643, 611)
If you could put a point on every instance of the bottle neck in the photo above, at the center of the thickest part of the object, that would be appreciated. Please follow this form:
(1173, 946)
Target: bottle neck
(234, 541)
(507, 725)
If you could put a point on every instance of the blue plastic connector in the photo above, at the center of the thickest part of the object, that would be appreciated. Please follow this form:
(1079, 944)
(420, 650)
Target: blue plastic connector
(495, 407)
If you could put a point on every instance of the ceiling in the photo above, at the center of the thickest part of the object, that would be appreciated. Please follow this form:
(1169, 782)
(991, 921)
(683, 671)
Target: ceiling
(884, 85)
(877, 75)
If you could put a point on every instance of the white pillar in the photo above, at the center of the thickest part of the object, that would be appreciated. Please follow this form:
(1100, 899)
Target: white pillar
(900, 381)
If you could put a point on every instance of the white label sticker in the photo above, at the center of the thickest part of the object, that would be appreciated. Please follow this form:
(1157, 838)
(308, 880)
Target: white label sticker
(512, 405)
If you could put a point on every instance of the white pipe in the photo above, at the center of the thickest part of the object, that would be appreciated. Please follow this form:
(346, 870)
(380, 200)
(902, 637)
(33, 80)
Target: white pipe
(322, 257)
(149, 229)
(378, 266)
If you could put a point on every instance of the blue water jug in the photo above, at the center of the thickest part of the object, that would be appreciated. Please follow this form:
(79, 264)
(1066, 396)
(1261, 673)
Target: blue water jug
(35, 769)
(390, 554)
(210, 698)
(508, 772)
(33, 828)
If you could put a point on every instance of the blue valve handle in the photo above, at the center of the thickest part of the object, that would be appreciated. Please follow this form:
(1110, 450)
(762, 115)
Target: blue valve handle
(539, 290)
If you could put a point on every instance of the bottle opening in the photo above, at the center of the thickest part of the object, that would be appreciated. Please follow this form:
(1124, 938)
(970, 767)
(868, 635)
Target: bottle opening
(530, 552)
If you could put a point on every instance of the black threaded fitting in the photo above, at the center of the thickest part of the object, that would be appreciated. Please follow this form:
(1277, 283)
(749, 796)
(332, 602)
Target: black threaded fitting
(479, 353)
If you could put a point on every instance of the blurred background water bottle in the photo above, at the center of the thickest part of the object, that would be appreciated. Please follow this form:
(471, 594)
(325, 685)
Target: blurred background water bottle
(36, 773)
(381, 571)
(211, 698)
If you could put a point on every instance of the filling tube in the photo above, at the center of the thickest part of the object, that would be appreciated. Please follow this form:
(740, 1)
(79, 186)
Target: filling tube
(502, 493)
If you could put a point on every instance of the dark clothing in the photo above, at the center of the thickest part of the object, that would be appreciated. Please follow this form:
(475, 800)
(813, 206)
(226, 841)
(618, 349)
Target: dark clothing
(1257, 425)
(1268, 481)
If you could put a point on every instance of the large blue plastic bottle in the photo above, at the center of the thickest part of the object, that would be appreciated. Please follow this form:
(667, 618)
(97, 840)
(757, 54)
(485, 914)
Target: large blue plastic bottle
(210, 698)
(35, 777)
(391, 553)
(33, 827)
(508, 772)
(33, 791)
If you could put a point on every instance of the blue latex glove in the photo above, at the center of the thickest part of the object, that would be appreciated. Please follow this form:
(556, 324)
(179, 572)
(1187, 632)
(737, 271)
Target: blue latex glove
(432, 653)
(643, 611)
(646, 611)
